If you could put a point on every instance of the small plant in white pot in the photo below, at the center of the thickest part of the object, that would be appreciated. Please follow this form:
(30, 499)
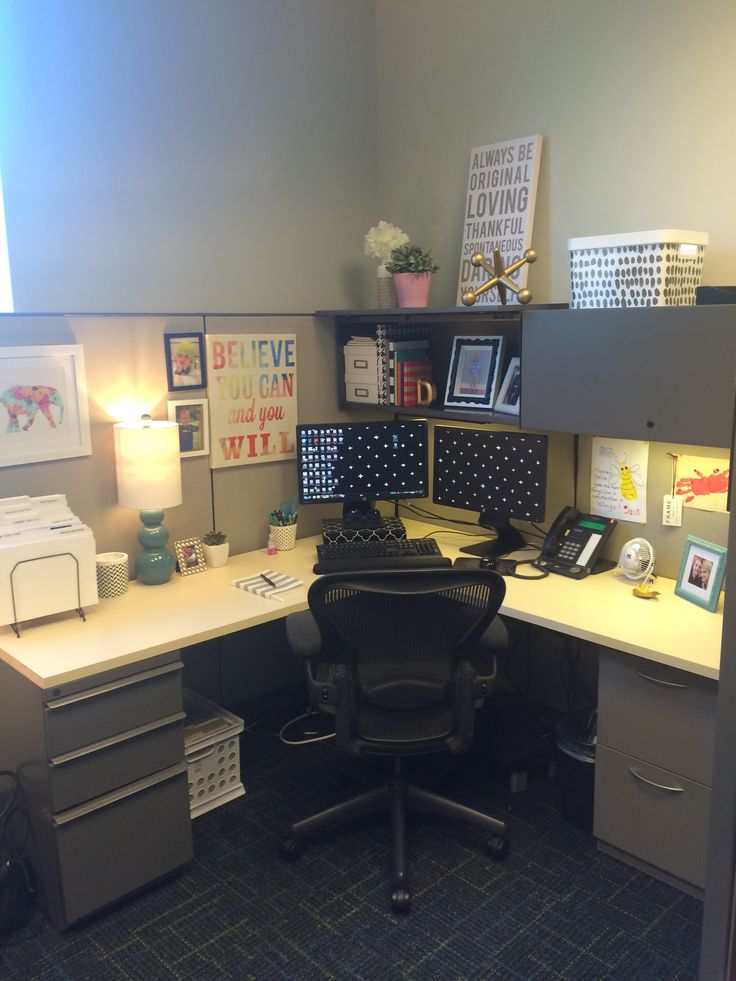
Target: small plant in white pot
(412, 268)
(216, 549)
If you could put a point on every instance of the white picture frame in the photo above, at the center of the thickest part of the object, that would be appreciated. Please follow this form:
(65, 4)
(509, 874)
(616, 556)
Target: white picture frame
(43, 404)
(472, 379)
(509, 394)
(192, 417)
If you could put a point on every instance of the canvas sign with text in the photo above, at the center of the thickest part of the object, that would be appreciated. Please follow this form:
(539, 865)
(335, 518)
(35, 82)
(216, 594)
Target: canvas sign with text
(499, 210)
(252, 393)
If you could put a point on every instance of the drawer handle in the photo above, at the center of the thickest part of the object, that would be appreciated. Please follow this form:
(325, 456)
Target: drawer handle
(660, 681)
(134, 679)
(201, 755)
(660, 786)
(116, 796)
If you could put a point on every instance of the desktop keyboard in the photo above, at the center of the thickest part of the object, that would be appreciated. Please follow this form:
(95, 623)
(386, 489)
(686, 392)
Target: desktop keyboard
(411, 553)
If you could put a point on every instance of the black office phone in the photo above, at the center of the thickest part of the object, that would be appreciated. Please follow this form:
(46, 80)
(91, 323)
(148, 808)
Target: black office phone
(574, 544)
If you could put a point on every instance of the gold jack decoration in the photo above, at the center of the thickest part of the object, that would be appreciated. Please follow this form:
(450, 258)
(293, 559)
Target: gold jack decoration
(500, 277)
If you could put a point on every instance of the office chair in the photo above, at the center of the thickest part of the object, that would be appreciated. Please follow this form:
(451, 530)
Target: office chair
(399, 645)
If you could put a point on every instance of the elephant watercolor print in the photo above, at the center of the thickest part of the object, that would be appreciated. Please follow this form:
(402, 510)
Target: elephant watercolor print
(43, 404)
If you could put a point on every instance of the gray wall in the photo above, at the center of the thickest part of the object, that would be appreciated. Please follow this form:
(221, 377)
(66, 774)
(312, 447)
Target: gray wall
(634, 101)
(188, 155)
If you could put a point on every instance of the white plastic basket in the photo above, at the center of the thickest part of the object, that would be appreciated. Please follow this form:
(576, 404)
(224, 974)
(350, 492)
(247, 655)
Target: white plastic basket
(212, 751)
(660, 268)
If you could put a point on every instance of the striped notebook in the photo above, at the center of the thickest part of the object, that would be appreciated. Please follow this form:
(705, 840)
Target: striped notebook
(267, 584)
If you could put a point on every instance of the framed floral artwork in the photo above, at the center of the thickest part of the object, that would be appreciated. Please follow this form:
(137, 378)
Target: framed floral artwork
(43, 404)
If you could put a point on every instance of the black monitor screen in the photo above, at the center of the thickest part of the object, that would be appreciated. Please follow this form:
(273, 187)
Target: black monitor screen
(499, 475)
(361, 461)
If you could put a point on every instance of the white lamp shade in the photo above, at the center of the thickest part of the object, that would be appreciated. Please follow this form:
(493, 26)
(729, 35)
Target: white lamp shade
(148, 465)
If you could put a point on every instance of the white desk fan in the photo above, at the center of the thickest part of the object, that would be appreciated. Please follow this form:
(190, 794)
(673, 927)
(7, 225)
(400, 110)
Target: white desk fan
(636, 561)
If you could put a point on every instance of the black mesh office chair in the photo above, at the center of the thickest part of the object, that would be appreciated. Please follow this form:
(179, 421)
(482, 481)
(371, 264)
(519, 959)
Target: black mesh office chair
(400, 647)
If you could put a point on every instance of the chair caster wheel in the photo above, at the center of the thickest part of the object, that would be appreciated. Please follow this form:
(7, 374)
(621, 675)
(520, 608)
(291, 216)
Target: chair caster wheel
(497, 847)
(291, 849)
(400, 900)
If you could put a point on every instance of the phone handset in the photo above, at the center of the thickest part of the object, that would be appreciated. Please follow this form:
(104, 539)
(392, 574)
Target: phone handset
(567, 517)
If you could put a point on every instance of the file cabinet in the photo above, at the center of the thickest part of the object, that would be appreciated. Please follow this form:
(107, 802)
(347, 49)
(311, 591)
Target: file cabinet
(653, 765)
(102, 764)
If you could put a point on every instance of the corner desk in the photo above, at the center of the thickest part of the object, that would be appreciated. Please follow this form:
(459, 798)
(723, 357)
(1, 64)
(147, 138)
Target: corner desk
(91, 718)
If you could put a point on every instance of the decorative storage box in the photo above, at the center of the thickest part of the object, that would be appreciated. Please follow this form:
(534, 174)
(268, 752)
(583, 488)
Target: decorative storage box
(636, 269)
(212, 751)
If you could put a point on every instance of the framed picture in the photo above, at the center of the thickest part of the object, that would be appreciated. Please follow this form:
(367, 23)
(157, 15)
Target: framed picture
(185, 361)
(701, 573)
(189, 556)
(192, 416)
(474, 369)
(43, 404)
(509, 395)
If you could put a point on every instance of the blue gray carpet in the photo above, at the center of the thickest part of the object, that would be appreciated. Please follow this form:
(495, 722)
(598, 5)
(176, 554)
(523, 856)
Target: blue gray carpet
(555, 909)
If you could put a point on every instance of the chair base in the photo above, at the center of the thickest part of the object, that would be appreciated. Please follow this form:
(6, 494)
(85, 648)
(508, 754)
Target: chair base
(397, 796)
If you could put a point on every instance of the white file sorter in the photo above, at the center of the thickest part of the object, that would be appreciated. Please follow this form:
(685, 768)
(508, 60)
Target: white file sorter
(47, 564)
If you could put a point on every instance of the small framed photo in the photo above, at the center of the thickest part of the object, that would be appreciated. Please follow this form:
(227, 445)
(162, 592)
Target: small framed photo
(472, 382)
(509, 395)
(185, 361)
(194, 439)
(189, 556)
(701, 573)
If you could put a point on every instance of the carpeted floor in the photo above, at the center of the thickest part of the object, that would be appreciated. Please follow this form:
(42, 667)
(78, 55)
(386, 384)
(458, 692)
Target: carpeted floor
(555, 909)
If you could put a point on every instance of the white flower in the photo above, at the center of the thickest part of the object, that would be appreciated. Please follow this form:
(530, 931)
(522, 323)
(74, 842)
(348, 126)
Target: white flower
(382, 239)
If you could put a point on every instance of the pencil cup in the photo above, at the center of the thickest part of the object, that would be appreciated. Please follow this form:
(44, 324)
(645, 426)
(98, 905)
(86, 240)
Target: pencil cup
(112, 574)
(282, 536)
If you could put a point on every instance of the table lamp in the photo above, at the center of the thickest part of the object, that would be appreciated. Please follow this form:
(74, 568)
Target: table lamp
(149, 479)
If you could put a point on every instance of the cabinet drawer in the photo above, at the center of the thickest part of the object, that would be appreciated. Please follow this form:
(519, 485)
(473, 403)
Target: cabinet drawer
(652, 814)
(95, 770)
(95, 714)
(657, 713)
(119, 843)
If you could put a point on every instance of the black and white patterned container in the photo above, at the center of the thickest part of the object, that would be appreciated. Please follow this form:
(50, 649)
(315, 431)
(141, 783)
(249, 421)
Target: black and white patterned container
(636, 269)
(112, 574)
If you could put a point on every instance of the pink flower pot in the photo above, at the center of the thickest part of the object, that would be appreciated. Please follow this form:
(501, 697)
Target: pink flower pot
(412, 289)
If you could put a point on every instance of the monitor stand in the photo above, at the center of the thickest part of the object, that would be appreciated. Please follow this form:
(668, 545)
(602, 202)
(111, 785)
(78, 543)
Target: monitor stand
(508, 539)
(361, 514)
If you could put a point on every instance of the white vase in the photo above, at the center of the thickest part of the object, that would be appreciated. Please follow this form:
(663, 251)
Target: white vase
(386, 294)
(216, 555)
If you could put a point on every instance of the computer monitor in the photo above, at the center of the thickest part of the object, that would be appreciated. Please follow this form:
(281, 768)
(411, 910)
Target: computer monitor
(357, 463)
(500, 475)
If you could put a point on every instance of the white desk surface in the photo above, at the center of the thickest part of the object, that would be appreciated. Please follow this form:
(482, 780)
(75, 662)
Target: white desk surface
(151, 620)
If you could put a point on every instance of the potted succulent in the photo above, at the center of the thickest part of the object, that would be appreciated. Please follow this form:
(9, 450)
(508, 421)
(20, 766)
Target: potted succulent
(412, 269)
(216, 549)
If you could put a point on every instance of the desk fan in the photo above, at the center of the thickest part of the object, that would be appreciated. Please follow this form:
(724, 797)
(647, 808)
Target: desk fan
(636, 561)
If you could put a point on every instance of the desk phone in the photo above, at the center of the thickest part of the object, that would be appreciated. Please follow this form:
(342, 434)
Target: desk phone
(574, 544)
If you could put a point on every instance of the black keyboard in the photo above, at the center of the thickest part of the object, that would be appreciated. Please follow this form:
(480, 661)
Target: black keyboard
(412, 553)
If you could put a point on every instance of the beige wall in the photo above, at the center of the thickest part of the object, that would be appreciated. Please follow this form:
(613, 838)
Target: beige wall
(634, 101)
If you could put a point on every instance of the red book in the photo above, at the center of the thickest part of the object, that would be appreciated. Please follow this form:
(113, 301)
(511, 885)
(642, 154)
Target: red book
(412, 371)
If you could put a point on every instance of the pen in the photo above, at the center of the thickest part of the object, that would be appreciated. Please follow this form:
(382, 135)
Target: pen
(269, 581)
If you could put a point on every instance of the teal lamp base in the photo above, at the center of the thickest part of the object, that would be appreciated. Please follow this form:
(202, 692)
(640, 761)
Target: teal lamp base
(155, 564)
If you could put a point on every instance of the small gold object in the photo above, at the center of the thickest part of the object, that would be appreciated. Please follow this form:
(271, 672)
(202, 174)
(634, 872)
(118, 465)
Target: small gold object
(500, 277)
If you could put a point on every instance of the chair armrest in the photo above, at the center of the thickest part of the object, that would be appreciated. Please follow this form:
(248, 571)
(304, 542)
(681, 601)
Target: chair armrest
(303, 634)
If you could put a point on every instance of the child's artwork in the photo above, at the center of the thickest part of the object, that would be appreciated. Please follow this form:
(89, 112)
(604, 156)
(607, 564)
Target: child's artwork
(702, 482)
(618, 479)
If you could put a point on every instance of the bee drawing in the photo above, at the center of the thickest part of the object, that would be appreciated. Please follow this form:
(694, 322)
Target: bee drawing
(628, 477)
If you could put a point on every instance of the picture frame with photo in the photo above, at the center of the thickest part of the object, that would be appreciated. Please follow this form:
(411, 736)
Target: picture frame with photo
(701, 573)
(472, 381)
(193, 419)
(43, 404)
(186, 366)
(509, 394)
(189, 556)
